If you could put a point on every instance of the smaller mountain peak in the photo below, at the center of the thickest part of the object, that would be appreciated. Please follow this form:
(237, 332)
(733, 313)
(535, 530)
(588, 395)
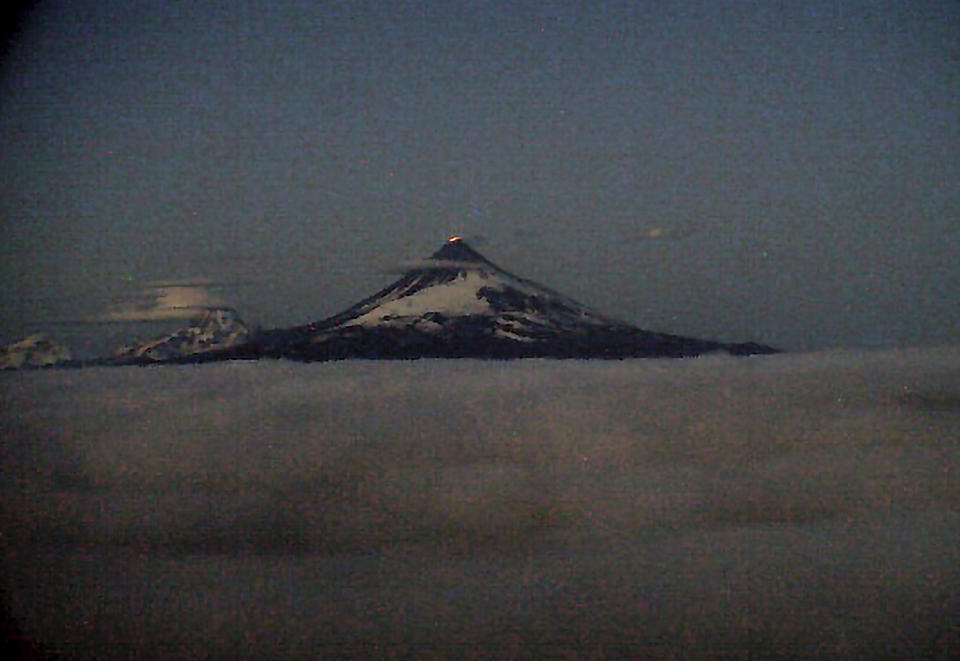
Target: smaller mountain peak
(219, 328)
(33, 351)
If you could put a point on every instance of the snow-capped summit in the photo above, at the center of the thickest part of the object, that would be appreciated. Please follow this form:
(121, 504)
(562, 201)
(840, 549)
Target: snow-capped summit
(218, 329)
(456, 250)
(457, 303)
(33, 351)
(457, 282)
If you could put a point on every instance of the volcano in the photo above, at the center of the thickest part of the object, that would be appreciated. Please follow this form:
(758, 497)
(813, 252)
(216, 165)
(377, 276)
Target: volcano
(458, 304)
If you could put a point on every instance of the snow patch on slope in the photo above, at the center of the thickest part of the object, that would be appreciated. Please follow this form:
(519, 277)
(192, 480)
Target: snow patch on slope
(32, 351)
(455, 298)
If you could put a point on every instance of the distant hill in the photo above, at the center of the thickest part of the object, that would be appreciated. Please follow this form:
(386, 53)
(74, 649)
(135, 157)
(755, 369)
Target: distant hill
(33, 351)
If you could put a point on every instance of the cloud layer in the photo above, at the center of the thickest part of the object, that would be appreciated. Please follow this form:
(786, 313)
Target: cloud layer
(160, 301)
(793, 505)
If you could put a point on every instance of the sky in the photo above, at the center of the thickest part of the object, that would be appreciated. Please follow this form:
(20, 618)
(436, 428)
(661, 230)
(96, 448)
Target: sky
(780, 172)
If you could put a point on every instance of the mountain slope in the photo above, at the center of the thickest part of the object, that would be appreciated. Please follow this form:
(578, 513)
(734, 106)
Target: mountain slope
(218, 330)
(459, 304)
(34, 351)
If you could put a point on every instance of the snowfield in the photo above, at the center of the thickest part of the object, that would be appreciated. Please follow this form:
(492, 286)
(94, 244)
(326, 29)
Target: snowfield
(789, 505)
(457, 297)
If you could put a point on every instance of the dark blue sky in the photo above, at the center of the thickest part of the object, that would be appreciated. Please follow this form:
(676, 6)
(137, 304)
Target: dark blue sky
(785, 172)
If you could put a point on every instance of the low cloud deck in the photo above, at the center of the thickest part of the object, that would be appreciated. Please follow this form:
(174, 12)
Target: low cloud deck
(793, 505)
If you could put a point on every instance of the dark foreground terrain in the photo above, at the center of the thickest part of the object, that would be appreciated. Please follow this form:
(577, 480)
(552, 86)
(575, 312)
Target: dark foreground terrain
(778, 506)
